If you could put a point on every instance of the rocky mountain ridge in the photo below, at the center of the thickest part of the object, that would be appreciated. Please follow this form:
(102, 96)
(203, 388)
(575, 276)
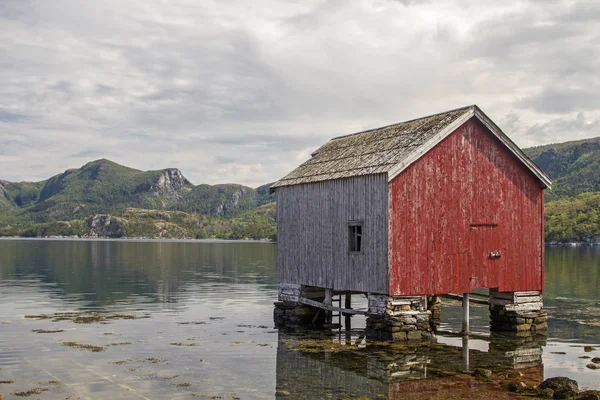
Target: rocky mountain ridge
(105, 187)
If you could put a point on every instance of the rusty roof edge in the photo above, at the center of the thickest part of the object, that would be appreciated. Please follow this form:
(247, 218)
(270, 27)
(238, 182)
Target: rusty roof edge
(537, 171)
(430, 144)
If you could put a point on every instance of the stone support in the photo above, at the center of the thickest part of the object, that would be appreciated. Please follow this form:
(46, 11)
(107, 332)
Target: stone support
(517, 312)
(289, 312)
(398, 318)
(434, 304)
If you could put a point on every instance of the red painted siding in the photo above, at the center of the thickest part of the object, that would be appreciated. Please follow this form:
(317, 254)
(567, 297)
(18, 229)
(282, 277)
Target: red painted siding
(467, 197)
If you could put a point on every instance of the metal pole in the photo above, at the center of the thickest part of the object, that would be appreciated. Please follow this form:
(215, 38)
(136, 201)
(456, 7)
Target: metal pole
(465, 322)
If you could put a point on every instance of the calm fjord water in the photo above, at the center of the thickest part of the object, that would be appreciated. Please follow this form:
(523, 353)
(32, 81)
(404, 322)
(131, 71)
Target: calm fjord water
(204, 326)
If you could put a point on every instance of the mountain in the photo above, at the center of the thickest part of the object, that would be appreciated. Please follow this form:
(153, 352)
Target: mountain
(105, 187)
(221, 200)
(20, 194)
(574, 167)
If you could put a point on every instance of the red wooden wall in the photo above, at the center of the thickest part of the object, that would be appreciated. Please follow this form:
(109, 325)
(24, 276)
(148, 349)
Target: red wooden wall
(467, 197)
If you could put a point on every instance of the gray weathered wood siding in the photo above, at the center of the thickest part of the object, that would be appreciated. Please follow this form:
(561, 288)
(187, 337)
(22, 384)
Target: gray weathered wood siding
(312, 233)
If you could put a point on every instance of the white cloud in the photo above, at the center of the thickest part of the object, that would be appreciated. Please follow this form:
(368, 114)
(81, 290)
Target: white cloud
(243, 91)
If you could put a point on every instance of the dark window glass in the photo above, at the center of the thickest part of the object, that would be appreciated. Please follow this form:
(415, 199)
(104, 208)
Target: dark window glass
(355, 237)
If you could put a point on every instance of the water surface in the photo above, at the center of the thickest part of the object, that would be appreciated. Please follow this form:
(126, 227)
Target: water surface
(204, 328)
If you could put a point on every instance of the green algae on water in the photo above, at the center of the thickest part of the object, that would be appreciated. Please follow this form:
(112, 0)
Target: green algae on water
(121, 362)
(30, 392)
(89, 347)
(83, 317)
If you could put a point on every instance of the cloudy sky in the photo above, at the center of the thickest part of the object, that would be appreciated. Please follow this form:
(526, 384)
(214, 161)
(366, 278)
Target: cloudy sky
(242, 91)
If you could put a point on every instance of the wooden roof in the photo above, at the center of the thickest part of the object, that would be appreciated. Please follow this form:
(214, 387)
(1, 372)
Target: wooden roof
(391, 149)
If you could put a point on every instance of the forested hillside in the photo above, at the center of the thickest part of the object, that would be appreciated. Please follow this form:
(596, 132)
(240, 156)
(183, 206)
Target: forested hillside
(573, 204)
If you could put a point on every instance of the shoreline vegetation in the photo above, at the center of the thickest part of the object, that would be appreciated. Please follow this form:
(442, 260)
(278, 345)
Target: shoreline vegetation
(217, 240)
(257, 224)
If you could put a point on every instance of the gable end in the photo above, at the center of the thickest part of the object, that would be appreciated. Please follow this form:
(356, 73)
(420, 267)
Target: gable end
(491, 126)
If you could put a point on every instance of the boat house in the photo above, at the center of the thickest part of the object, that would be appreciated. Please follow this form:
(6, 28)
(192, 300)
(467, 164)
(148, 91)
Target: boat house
(438, 205)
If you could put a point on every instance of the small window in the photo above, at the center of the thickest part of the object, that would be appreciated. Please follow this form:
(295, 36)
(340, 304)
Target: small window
(355, 230)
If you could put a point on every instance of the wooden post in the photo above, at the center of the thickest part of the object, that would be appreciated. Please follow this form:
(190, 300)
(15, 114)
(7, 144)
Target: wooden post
(465, 321)
(348, 319)
(465, 352)
(328, 301)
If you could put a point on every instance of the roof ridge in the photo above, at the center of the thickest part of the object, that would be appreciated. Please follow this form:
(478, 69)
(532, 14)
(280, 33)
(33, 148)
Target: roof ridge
(403, 122)
(388, 150)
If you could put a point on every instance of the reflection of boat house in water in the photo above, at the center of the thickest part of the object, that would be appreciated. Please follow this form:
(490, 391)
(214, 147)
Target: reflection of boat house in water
(437, 205)
(415, 372)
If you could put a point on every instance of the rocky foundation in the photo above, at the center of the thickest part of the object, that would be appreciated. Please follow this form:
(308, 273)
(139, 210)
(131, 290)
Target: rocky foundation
(291, 314)
(517, 312)
(398, 318)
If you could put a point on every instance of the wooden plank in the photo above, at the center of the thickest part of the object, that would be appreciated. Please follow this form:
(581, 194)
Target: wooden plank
(523, 307)
(289, 286)
(524, 352)
(287, 297)
(318, 304)
(529, 299)
(289, 290)
(527, 293)
(460, 297)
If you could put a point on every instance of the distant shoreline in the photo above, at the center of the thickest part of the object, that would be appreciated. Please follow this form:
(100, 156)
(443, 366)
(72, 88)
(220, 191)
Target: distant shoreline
(138, 239)
(208, 240)
(572, 244)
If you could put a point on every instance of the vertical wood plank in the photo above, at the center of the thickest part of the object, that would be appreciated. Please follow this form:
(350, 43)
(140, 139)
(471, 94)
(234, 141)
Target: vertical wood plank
(312, 223)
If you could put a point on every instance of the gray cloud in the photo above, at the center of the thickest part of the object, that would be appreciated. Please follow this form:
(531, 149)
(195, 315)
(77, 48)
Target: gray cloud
(559, 100)
(558, 130)
(244, 91)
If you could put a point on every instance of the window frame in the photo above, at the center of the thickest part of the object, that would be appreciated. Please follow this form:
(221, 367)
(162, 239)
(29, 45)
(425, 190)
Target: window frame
(352, 236)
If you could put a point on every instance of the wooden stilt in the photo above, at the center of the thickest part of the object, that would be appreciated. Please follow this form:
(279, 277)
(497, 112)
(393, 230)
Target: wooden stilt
(328, 302)
(348, 319)
(465, 321)
(465, 352)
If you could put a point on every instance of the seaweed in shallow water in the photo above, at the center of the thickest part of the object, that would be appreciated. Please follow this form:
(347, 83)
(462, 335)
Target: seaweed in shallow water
(83, 318)
(30, 392)
(89, 347)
